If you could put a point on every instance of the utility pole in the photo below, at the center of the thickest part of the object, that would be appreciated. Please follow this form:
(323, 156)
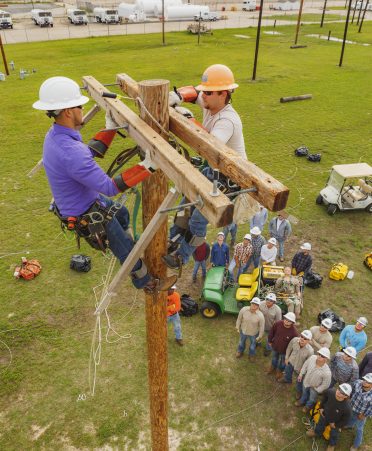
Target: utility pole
(257, 41)
(323, 14)
(4, 57)
(162, 22)
(360, 11)
(364, 14)
(299, 21)
(345, 33)
(154, 94)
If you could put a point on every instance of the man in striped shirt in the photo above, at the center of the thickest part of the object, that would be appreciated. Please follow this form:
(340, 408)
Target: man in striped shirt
(361, 403)
(344, 367)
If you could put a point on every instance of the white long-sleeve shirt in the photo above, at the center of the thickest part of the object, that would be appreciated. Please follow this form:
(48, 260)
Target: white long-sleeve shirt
(316, 377)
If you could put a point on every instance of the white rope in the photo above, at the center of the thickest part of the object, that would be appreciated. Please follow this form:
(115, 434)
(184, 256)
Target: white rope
(11, 356)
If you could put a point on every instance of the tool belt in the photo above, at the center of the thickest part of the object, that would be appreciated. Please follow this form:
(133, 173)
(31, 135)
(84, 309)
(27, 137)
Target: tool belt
(91, 225)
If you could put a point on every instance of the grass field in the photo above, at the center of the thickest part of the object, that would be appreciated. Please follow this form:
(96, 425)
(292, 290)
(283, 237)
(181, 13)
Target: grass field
(307, 17)
(46, 325)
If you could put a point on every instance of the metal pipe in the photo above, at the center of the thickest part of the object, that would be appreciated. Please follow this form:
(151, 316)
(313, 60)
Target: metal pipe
(199, 201)
(242, 191)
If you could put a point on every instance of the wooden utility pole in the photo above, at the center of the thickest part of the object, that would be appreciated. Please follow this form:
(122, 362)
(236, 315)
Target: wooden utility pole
(4, 57)
(299, 21)
(345, 34)
(323, 14)
(258, 35)
(154, 94)
(162, 22)
(360, 12)
(364, 14)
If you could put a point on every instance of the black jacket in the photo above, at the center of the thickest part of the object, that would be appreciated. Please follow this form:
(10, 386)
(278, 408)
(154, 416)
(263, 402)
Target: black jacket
(338, 412)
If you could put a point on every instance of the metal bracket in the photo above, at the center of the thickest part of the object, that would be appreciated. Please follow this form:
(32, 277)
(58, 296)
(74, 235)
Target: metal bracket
(242, 191)
(199, 202)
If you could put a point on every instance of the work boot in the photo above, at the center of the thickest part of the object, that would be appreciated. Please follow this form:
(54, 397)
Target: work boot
(353, 449)
(298, 395)
(283, 380)
(278, 375)
(160, 284)
(271, 370)
(266, 352)
(172, 261)
(310, 433)
(251, 358)
(330, 448)
(305, 409)
(298, 403)
(179, 341)
(238, 355)
(194, 280)
(281, 259)
(232, 243)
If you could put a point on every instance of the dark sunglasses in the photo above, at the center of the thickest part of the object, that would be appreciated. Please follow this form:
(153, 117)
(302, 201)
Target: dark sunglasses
(79, 106)
(208, 93)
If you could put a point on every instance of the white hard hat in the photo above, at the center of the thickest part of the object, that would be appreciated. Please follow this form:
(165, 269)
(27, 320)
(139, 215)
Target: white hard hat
(345, 389)
(350, 351)
(247, 236)
(255, 231)
(256, 301)
(307, 334)
(327, 323)
(173, 287)
(290, 316)
(306, 247)
(368, 378)
(273, 241)
(58, 93)
(363, 320)
(220, 233)
(324, 352)
(271, 297)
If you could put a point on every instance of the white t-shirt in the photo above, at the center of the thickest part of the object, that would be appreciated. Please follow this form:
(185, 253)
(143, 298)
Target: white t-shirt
(226, 126)
(278, 222)
(268, 255)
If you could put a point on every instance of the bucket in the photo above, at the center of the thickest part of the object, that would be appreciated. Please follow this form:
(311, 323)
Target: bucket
(350, 274)
(2, 76)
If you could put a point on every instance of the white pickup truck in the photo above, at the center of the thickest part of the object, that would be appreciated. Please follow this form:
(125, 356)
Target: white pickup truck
(42, 18)
(77, 16)
(207, 16)
(249, 5)
(106, 15)
(5, 20)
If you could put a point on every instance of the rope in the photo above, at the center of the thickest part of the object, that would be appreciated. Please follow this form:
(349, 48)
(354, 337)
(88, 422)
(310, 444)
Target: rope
(11, 356)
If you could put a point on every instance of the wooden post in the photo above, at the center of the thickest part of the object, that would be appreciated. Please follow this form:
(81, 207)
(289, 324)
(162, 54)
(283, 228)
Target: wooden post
(360, 11)
(364, 14)
(299, 21)
(154, 94)
(257, 41)
(4, 57)
(323, 14)
(345, 33)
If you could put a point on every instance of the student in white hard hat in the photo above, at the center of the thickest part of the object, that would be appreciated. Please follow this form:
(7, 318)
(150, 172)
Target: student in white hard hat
(335, 412)
(257, 242)
(251, 325)
(272, 313)
(322, 337)
(242, 253)
(220, 253)
(302, 260)
(354, 335)
(280, 228)
(314, 378)
(298, 351)
(268, 252)
(361, 403)
(344, 367)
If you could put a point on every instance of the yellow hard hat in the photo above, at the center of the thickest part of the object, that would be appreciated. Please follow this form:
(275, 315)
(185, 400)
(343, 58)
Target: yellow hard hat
(217, 77)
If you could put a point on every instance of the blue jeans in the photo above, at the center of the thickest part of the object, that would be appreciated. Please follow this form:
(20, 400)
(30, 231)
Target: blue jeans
(232, 229)
(280, 247)
(197, 226)
(277, 360)
(319, 429)
(176, 321)
(288, 373)
(232, 266)
(354, 421)
(255, 260)
(197, 265)
(252, 346)
(267, 346)
(308, 397)
(120, 241)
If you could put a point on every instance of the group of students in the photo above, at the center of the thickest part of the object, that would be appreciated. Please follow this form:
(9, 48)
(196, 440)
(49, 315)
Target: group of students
(346, 388)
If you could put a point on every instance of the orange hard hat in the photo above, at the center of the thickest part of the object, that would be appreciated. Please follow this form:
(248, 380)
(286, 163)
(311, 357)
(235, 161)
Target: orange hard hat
(217, 77)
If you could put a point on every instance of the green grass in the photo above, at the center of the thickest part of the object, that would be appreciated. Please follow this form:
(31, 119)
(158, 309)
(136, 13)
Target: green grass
(307, 17)
(48, 323)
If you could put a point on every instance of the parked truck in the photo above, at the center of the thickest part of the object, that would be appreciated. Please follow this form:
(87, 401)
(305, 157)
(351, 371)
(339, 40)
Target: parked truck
(249, 5)
(42, 18)
(5, 20)
(106, 15)
(77, 16)
(207, 16)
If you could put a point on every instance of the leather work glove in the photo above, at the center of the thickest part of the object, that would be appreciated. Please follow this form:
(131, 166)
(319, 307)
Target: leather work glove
(174, 99)
(148, 163)
(184, 111)
(258, 339)
(110, 123)
(294, 272)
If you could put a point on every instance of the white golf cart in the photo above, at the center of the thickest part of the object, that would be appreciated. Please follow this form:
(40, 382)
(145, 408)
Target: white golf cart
(349, 187)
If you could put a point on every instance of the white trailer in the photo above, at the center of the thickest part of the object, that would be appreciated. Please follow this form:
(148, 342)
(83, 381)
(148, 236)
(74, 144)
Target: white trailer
(106, 15)
(5, 20)
(42, 18)
(137, 16)
(249, 5)
(77, 16)
(185, 12)
(286, 6)
(126, 9)
(153, 7)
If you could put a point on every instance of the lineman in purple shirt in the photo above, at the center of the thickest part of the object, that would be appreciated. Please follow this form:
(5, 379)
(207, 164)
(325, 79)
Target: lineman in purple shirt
(80, 186)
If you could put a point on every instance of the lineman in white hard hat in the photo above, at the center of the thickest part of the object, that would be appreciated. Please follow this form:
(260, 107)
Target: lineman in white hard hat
(361, 403)
(81, 189)
(314, 379)
(268, 252)
(344, 367)
(302, 260)
(272, 313)
(242, 253)
(322, 337)
(335, 412)
(354, 335)
(257, 242)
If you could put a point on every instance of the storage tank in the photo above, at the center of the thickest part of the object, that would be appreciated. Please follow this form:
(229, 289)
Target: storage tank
(184, 11)
(126, 9)
(151, 7)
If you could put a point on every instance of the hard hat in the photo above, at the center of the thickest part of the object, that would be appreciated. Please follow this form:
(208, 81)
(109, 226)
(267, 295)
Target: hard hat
(327, 323)
(220, 233)
(306, 247)
(256, 301)
(307, 334)
(255, 231)
(324, 352)
(272, 241)
(173, 287)
(362, 320)
(345, 389)
(290, 316)
(217, 77)
(58, 93)
(247, 236)
(368, 378)
(350, 351)
(271, 297)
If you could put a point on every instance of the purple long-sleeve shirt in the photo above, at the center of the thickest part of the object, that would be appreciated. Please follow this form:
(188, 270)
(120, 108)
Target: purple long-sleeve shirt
(74, 177)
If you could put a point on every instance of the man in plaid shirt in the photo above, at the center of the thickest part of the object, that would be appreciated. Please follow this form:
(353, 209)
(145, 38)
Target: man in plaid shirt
(241, 256)
(361, 403)
(302, 261)
(257, 242)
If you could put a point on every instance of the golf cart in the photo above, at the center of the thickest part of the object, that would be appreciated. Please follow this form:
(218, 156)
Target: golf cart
(349, 187)
(221, 295)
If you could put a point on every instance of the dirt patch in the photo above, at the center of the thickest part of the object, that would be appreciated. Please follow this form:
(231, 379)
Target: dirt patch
(38, 431)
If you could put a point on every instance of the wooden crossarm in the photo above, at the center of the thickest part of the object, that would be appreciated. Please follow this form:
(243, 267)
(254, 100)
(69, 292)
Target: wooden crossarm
(270, 192)
(188, 180)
